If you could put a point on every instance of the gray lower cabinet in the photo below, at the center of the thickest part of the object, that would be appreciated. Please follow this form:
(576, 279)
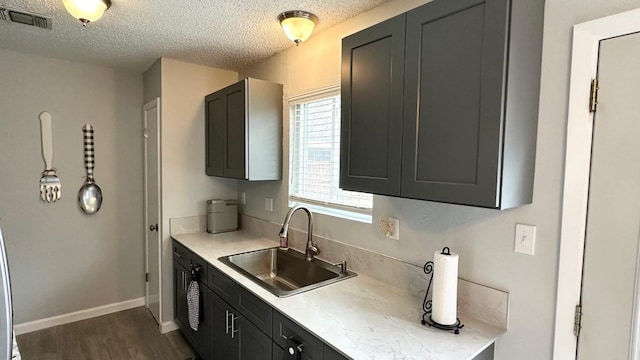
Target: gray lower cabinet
(234, 337)
(199, 339)
(247, 112)
(468, 116)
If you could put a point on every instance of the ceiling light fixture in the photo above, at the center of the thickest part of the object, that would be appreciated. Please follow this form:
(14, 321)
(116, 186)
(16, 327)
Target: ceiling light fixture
(87, 10)
(297, 24)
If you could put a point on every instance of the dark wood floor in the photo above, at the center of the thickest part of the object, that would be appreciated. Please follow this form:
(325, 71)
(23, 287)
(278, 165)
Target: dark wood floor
(130, 334)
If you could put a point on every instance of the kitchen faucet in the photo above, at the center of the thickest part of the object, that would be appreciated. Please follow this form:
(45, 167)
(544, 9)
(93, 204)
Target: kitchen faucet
(311, 248)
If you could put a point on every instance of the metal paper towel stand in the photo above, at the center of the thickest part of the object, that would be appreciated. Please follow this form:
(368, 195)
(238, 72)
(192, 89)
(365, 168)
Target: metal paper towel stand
(426, 304)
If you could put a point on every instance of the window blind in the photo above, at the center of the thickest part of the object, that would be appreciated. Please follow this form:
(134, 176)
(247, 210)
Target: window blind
(315, 154)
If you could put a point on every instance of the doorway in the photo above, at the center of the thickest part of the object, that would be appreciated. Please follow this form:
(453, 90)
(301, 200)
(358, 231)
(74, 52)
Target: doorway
(580, 132)
(613, 210)
(152, 215)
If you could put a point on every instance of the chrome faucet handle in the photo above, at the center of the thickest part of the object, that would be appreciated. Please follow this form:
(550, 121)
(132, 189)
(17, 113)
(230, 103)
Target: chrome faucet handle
(343, 266)
(312, 250)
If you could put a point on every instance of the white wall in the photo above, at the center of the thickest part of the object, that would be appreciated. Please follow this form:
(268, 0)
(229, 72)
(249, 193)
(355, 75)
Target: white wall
(62, 260)
(185, 186)
(483, 238)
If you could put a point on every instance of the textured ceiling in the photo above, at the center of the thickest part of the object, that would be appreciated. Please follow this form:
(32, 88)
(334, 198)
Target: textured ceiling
(132, 34)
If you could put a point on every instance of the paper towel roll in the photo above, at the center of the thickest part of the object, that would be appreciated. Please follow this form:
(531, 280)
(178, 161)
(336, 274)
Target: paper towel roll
(445, 288)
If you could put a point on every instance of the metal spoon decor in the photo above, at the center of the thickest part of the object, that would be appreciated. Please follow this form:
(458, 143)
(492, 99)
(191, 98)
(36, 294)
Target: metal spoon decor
(90, 194)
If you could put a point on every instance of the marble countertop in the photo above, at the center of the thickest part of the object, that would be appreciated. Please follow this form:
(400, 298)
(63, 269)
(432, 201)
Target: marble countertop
(360, 316)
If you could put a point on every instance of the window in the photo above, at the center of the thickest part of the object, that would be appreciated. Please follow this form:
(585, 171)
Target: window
(315, 158)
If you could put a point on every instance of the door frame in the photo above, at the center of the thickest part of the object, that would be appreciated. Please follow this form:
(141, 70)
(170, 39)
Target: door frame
(584, 64)
(149, 105)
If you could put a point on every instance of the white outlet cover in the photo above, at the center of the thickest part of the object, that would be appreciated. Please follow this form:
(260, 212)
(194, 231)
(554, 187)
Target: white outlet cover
(243, 198)
(525, 239)
(268, 204)
(395, 231)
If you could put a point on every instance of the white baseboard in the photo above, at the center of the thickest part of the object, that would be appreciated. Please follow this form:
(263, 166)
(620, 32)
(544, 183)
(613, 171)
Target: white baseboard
(77, 316)
(168, 326)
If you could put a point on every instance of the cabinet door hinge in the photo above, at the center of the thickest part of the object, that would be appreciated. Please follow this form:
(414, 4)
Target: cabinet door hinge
(593, 95)
(145, 133)
(577, 321)
(146, 277)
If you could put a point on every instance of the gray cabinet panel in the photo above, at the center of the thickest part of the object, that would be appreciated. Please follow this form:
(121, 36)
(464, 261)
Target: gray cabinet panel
(235, 163)
(223, 345)
(450, 78)
(215, 130)
(253, 344)
(486, 354)
(244, 131)
(200, 339)
(455, 77)
(371, 123)
(255, 310)
(283, 329)
(469, 109)
(331, 354)
(180, 296)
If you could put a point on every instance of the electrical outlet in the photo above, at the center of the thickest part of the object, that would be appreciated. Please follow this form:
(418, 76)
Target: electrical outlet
(243, 198)
(268, 204)
(525, 240)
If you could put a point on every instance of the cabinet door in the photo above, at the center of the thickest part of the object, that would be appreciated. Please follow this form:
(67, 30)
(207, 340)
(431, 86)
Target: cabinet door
(180, 297)
(278, 353)
(254, 344)
(215, 132)
(202, 337)
(234, 162)
(284, 329)
(486, 354)
(331, 354)
(225, 342)
(453, 96)
(371, 123)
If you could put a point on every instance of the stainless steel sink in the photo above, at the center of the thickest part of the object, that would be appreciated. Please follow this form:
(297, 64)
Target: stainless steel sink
(285, 272)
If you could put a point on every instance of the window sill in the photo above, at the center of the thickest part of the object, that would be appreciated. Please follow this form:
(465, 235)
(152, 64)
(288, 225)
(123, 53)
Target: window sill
(343, 214)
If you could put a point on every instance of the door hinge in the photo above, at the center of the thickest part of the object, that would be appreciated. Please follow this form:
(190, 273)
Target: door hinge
(577, 321)
(145, 133)
(146, 277)
(593, 95)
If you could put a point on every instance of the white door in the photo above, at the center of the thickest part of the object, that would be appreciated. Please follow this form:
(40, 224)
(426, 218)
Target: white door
(151, 124)
(609, 280)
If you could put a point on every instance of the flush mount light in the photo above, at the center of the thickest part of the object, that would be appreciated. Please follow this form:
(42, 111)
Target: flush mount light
(297, 24)
(86, 10)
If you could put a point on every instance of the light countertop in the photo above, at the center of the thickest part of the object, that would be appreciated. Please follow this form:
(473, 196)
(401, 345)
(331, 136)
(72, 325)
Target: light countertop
(360, 316)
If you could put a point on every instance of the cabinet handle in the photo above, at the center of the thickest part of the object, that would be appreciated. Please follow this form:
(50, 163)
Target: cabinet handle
(185, 283)
(299, 346)
(233, 325)
(227, 322)
(177, 254)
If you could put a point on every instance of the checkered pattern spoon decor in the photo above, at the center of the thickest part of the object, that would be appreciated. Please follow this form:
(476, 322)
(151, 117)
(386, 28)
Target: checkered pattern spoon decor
(90, 194)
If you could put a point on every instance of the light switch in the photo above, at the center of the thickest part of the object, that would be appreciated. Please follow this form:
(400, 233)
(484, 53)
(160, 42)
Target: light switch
(268, 204)
(525, 241)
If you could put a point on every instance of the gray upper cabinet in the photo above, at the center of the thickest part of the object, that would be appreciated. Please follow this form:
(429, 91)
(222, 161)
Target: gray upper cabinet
(371, 121)
(243, 129)
(471, 81)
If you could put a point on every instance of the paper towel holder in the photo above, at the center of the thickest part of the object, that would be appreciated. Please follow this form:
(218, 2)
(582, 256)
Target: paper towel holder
(426, 304)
